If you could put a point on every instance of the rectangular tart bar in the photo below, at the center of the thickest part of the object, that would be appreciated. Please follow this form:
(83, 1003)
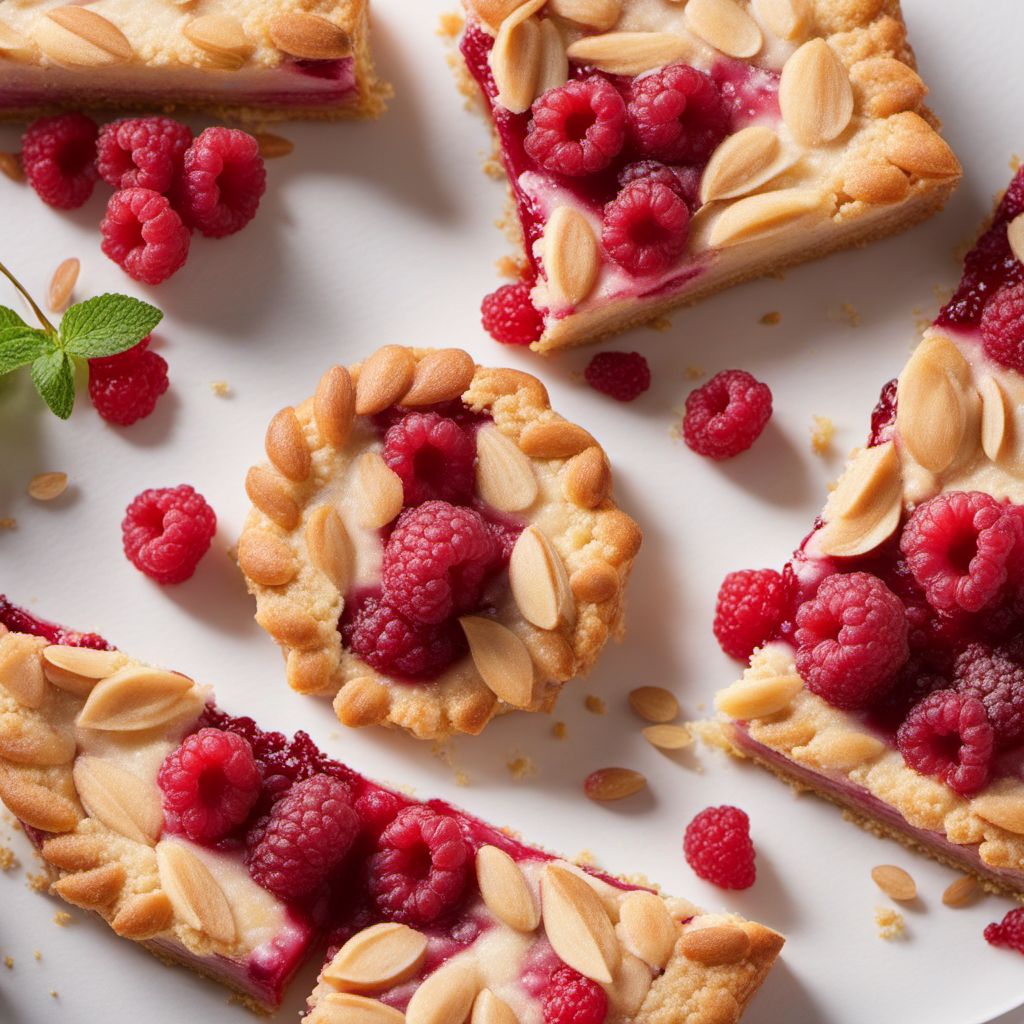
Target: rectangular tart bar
(430, 915)
(251, 60)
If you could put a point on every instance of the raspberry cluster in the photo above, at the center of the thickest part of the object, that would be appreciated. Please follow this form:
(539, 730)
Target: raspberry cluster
(717, 845)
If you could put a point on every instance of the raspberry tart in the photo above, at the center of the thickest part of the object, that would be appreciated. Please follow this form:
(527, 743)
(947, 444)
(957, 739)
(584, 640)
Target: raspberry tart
(431, 544)
(234, 851)
(256, 60)
(660, 151)
(888, 673)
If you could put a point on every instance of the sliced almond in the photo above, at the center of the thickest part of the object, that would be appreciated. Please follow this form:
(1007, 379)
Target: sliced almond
(137, 697)
(266, 559)
(917, 148)
(47, 486)
(441, 376)
(309, 37)
(587, 478)
(501, 658)
(647, 927)
(554, 439)
(286, 446)
(1005, 809)
(493, 12)
(896, 883)
(597, 14)
(578, 926)
(572, 258)
(554, 61)
(30, 741)
(505, 890)
(118, 799)
(596, 582)
(272, 495)
(329, 546)
(715, 945)
(78, 669)
(489, 1009)
(960, 892)
(95, 889)
(815, 94)
(197, 898)
(787, 19)
(871, 181)
(762, 215)
(516, 58)
(445, 997)
(654, 703)
(384, 379)
(10, 163)
(143, 916)
(376, 958)
(381, 494)
(996, 418)
(607, 784)
(668, 737)
(631, 53)
(36, 805)
(13, 45)
(62, 284)
(346, 1008)
(221, 38)
(504, 475)
(334, 406)
(1015, 233)
(76, 851)
(841, 749)
(753, 697)
(79, 37)
(725, 25)
(742, 163)
(539, 582)
(21, 670)
(273, 146)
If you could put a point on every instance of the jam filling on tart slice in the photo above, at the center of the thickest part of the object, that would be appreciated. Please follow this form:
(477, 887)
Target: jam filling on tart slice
(239, 852)
(891, 672)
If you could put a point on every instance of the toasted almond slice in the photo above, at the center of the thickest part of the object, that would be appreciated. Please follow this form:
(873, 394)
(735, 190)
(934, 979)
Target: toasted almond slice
(587, 478)
(1005, 809)
(571, 255)
(554, 439)
(79, 37)
(21, 670)
(504, 475)
(197, 898)
(668, 737)
(960, 892)
(265, 559)
(516, 58)
(872, 181)
(221, 38)
(815, 94)
(78, 669)
(613, 784)
(787, 19)
(597, 14)
(329, 546)
(742, 163)
(489, 1009)
(441, 376)
(762, 215)
(13, 45)
(95, 889)
(596, 582)
(753, 697)
(841, 749)
(137, 697)
(896, 883)
(35, 805)
(493, 12)
(654, 703)
(578, 926)
(346, 1008)
(381, 493)
(996, 418)
(715, 945)
(384, 379)
(505, 890)
(445, 997)
(539, 582)
(273, 146)
(10, 163)
(47, 486)
(376, 958)
(334, 406)
(120, 800)
(272, 495)
(143, 916)
(501, 658)
(76, 851)
(725, 25)
(309, 37)
(62, 284)
(631, 53)
(917, 148)
(554, 61)
(1015, 233)
(31, 741)
(286, 446)
(647, 927)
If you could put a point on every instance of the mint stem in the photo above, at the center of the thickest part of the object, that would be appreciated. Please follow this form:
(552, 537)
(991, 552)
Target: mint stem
(47, 326)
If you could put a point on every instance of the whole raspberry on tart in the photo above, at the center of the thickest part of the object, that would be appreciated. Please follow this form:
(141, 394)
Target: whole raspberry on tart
(891, 680)
(410, 545)
(231, 850)
(660, 152)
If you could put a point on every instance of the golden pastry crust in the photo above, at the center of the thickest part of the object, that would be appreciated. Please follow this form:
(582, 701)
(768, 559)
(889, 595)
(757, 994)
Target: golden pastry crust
(315, 453)
(886, 170)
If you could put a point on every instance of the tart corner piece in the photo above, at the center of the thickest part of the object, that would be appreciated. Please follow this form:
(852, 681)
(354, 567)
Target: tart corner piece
(262, 61)
(893, 685)
(659, 152)
(432, 545)
(175, 822)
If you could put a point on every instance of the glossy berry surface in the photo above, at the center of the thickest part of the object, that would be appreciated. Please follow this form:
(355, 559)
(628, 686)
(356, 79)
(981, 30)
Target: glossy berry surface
(751, 604)
(717, 845)
(1002, 327)
(58, 155)
(433, 457)
(509, 316)
(166, 531)
(725, 416)
(645, 227)
(144, 236)
(125, 388)
(624, 376)
(147, 152)
(571, 998)
(996, 678)
(1008, 933)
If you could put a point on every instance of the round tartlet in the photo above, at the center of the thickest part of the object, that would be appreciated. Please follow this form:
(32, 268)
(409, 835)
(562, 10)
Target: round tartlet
(325, 500)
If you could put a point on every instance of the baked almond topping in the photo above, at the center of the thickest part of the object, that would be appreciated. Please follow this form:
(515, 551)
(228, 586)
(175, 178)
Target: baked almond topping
(13, 45)
(654, 703)
(743, 162)
(540, 584)
(489, 1009)
(346, 1008)
(1015, 233)
(1005, 809)
(334, 406)
(787, 19)
(554, 61)
(613, 784)
(493, 12)
(137, 697)
(120, 800)
(79, 37)
(761, 215)
(384, 379)
(578, 926)
(33, 742)
(445, 997)
(587, 478)
(505, 890)
(597, 14)
(715, 944)
(286, 446)
(309, 37)
(20, 668)
(378, 957)
(47, 486)
(516, 57)
(647, 927)
(78, 669)
(631, 53)
(725, 25)
(272, 496)
(504, 475)
(329, 545)
(572, 258)
(554, 439)
(501, 658)
(221, 38)
(266, 559)
(996, 418)
(440, 376)
(381, 495)
(194, 893)
(960, 892)
(757, 697)
(896, 883)
(668, 737)
(815, 94)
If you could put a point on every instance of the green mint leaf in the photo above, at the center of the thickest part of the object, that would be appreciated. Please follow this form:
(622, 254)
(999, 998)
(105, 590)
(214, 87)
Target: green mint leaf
(54, 377)
(21, 345)
(8, 318)
(106, 325)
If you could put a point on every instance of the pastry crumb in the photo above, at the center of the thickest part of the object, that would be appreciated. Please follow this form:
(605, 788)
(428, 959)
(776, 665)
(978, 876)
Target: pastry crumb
(62, 919)
(37, 954)
(449, 25)
(9, 962)
(559, 730)
(37, 883)
(8, 861)
(585, 859)
(694, 372)
(54, 994)
(660, 323)
(521, 767)
(8, 523)
(846, 313)
(509, 266)
(771, 319)
(232, 553)
(221, 388)
(462, 778)
(595, 705)
(1015, 163)
(890, 923)
(822, 432)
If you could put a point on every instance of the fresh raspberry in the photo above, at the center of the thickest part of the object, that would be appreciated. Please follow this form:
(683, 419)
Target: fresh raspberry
(913, 683)
(59, 157)
(390, 643)
(726, 416)
(420, 868)
(125, 388)
(645, 226)
(958, 546)
(623, 375)
(1002, 327)
(948, 735)
(677, 114)
(996, 678)
(1008, 933)
(572, 999)
(433, 456)
(684, 181)
(437, 560)
(377, 808)
(310, 831)
(210, 784)
(751, 604)
(577, 128)
(509, 315)
(143, 235)
(851, 639)
(166, 531)
(143, 152)
(222, 182)
(718, 847)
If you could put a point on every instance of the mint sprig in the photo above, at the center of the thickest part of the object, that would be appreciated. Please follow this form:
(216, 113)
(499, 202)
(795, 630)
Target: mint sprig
(101, 326)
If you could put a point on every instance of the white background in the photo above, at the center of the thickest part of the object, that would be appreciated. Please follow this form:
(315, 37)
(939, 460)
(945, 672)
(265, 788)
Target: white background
(376, 233)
